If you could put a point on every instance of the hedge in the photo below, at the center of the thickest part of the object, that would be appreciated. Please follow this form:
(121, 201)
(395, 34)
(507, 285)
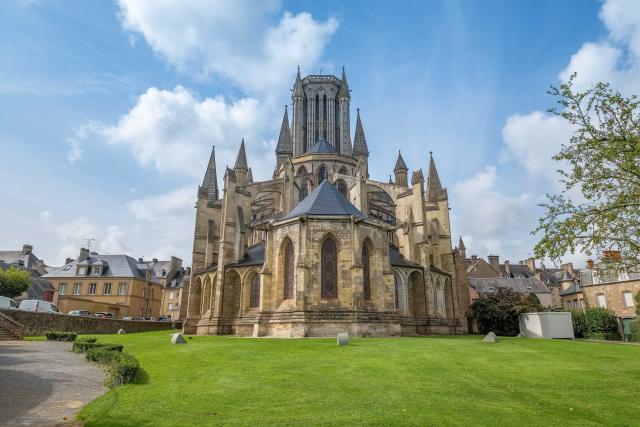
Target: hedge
(121, 368)
(635, 330)
(83, 346)
(595, 323)
(88, 339)
(60, 336)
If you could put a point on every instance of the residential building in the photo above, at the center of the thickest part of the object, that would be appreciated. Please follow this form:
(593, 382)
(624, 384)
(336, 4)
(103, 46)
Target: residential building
(25, 259)
(118, 284)
(172, 276)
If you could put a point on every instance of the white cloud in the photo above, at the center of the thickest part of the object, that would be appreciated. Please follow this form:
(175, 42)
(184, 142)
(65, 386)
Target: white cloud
(615, 59)
(533, 139)
(235, 39)
(173, 131)
(75, 150)
(491, 222)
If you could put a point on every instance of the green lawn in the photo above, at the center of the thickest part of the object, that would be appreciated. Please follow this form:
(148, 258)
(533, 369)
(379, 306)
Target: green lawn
(395, 381)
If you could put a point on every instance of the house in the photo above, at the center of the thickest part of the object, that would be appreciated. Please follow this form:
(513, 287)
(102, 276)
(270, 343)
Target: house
(172, 275)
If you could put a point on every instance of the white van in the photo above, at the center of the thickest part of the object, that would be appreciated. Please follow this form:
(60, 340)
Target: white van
(8, 303)
(38, 306)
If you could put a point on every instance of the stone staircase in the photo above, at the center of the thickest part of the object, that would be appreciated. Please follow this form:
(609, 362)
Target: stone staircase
(5, 335)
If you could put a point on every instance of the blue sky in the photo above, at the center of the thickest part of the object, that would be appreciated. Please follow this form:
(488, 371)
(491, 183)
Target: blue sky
(108, 110)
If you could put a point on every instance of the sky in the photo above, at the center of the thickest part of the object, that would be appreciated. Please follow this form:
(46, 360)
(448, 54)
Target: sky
(108, 110)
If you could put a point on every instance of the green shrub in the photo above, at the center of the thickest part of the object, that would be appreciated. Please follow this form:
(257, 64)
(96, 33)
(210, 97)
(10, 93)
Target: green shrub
(87, 339)
(122, 369)
(82, 346)
(498, 312)
(595, 323)
(101, 354)
(60, 336)
(635, 330)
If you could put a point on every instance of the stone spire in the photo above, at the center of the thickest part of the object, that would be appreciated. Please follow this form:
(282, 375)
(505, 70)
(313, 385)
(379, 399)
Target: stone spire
(241, 169)
(250, 176)
(344, 87)
(462, 250)
(400, 170)
(359, 141)
(209, 187)
(435, 190)
(298, 92)
(285, 143)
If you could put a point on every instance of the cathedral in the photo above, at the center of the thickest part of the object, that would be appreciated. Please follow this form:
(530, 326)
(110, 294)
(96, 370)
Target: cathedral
(321, 248)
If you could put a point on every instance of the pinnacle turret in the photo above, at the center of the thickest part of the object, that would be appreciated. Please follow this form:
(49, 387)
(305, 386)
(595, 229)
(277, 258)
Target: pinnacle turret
(241, 160)
(359, 141)
(344, 87)
(435, 190)
(400, 164)
(209, 187)
(285, 143)
(298, 92)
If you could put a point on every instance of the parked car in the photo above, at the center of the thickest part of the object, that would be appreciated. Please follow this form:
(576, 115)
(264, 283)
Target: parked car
(164, 319)
(38, 306)
(105, 314)
(132, 318)
(81, 313)
(149, 318)
(6, 302)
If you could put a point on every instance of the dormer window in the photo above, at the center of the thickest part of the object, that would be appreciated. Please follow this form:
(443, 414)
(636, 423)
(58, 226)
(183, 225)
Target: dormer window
(96, 269)
(82, 271)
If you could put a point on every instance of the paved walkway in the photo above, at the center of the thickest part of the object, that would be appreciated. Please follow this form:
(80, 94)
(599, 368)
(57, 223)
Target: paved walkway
(42, 383)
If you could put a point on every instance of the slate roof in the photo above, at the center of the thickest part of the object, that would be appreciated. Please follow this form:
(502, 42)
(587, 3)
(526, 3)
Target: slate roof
(37, 285)
(517, 270)
(524, 286)
(117, 266)
(400, 164)
(322, 147)
(16, 257)
(254, 255)
(398, 260)
(574, 288)
(325, 199)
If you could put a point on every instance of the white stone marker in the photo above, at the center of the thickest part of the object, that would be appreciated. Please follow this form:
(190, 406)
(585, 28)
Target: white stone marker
(177, 339)
(121, 331)
(343, 338)
(491, 337)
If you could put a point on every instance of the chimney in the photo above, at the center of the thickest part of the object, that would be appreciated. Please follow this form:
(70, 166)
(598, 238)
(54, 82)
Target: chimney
(155, 259)
(531, 263)
(474, 257)
(507, 267)
(494, 262)
(26, 249)
(67, 261)
(176, 263)
(84, 254)
(568, 267)
(590, 264)
(140, 260)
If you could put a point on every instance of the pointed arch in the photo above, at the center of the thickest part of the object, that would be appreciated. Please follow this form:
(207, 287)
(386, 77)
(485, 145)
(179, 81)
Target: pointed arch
(289, 269)
(440, 297)
(342, 187)
(343, 171)
(323, 173)
(303, 190)
(329, 268)
(302, 171)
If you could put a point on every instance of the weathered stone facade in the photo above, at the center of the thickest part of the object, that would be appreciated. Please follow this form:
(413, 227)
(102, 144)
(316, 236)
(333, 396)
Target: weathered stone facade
(322, 248)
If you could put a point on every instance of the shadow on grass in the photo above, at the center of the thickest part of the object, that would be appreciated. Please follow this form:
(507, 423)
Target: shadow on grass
(142, 377)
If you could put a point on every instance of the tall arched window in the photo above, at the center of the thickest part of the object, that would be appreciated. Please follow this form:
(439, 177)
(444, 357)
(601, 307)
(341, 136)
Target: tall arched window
(254, 294)
(304, 190)
(342, 187)
(288, 270)
(366, 273)
(322, 174)
(329, 269)
(440, 298)
(396, 291)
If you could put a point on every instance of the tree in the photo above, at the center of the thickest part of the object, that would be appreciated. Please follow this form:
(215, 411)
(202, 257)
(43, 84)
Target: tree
(13, 282)
(603, 166)
(498, 312)
(638, 303)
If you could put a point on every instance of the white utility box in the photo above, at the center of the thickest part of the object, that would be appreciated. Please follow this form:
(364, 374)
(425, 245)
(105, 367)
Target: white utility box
(547, 324)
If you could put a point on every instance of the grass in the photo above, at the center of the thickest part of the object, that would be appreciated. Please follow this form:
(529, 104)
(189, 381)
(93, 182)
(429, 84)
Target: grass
(396, 381)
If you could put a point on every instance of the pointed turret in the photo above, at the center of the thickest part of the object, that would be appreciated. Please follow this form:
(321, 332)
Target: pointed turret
(241, 169)
(400, 170)
(209, 187)
(285, 143)
(435, 190)
(359, 141)
(462, 249)
(344, 87)
(250, 176)
(298, 92)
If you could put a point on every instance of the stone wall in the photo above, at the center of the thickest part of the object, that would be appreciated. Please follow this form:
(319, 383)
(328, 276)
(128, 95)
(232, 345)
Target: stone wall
(39, 323)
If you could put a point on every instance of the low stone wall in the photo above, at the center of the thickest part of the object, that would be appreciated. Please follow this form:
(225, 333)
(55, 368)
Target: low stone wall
(39, 323)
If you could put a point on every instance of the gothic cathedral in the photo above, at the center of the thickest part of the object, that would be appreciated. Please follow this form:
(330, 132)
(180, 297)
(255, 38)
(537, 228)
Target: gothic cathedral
(321, 248)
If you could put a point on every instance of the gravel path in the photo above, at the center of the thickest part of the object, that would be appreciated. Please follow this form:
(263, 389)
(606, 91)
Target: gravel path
(42, 383)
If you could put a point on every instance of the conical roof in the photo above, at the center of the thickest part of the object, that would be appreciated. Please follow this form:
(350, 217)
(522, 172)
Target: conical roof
(209, 187)
(359, 141)
(436, 192)
(400, 164)
(241, 160)
(461, 244)
(325, 200)
(285, 142)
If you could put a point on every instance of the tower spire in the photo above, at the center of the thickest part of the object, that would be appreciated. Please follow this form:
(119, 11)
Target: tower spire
(344, 86)
(241, 160)
(297, 87)
(209, 187)
(400, 170)
(436, 192)
(400, 164)
(359, 141)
